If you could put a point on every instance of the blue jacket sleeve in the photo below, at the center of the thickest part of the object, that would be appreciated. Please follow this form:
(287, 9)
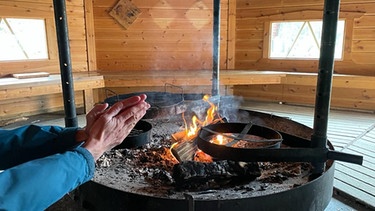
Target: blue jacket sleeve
(37, 184)
(32, 142)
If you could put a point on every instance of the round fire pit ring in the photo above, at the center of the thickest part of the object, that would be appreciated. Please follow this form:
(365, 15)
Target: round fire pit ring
(121, 191)
(259, 137)
(139, 136)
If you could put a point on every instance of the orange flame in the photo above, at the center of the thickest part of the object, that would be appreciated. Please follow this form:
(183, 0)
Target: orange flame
(219, 139)
(192, 129)
(196, 124)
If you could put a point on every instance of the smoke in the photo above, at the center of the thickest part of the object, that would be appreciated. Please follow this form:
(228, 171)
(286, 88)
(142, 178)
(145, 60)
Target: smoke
(228, 108)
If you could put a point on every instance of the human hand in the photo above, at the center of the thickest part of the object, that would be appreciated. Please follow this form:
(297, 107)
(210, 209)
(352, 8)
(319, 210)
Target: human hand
(91, 117)
(108, 128)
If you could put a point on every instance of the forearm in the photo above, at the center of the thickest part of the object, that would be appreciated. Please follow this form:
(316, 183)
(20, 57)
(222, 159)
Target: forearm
(32, 142)
(37, 184)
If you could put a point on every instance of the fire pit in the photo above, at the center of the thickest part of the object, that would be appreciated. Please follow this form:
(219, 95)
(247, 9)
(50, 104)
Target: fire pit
(141, 179)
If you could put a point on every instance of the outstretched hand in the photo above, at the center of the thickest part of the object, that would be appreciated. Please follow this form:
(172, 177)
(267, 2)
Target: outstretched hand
(108, 128)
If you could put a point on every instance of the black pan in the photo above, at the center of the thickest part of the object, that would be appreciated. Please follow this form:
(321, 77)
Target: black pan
(163, 104)
(139, 136)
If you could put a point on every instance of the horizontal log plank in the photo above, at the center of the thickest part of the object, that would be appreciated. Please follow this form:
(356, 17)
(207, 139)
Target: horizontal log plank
(35, 105)
(12, 88)
(191, 78)
(343, 81)
(261, 85)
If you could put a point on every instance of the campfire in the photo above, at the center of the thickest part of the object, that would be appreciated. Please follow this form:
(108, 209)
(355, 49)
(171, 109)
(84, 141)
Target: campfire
(173, 160)
(195, 167)
(184, 147)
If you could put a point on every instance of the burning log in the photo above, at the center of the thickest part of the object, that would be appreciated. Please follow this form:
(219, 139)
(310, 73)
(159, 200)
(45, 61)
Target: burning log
(188, 174)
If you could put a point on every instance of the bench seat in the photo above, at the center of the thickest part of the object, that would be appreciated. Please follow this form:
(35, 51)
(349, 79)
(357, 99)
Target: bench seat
(13, 88)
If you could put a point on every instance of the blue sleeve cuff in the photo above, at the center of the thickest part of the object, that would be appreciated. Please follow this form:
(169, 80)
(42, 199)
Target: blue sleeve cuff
(89, 159)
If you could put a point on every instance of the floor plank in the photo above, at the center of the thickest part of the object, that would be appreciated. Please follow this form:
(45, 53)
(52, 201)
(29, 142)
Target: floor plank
(365, 174)
(361, 196)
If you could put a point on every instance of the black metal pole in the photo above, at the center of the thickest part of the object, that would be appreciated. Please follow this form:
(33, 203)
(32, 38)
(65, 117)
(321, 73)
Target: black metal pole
(324, 82)
(65, 63)
(216, 49)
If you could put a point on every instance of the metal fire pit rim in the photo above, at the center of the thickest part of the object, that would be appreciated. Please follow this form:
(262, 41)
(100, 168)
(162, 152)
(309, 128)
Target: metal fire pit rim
(312, 195)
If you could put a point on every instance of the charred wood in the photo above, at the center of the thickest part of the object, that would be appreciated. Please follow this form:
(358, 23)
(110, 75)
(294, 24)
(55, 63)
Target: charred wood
(188, 174)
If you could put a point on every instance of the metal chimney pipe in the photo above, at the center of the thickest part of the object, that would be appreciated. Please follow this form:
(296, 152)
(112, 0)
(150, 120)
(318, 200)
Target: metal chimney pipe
(216, 49)
(65, 63)
(324, 82)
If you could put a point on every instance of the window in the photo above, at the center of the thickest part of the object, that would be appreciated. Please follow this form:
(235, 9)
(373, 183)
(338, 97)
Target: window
(22, 39)
(301, 40)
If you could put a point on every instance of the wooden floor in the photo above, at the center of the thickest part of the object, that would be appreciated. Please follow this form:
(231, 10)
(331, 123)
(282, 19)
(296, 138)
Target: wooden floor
(350, 132)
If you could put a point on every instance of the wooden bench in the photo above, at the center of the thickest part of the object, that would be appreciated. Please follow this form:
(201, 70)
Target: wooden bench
(13, 88)
(189, 81)
(189, 78)
(338, 80)
(131, 81)
(349, 91)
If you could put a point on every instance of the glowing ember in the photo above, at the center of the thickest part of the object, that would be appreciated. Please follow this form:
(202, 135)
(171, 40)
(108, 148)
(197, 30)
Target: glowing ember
(219, 139)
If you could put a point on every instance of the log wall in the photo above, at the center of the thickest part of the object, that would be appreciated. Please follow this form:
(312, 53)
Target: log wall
(252, 28)
(177, 36)
(44, 9)
(253, 18)
(167, 35)
(78, 28)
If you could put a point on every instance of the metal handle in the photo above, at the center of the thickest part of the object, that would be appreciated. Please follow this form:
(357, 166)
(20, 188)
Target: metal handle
(244, 131)
(341, 156)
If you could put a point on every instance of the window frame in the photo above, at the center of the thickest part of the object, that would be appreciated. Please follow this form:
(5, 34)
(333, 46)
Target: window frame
(45, 65)
(50, 38)
(46, 40)
(304, 65)
(301, 58)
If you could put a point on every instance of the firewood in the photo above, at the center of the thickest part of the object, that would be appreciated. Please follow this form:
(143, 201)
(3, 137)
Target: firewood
(189, 173)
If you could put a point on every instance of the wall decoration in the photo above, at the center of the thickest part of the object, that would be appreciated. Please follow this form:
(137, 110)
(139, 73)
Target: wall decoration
(125, 13)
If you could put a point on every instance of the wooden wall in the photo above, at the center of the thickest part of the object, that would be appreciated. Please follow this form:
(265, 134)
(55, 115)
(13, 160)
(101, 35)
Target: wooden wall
(76, 14)
(252, 22)
(13, 109)
(167, 35)
(253, 17)
(44, 9)
(177, 35)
